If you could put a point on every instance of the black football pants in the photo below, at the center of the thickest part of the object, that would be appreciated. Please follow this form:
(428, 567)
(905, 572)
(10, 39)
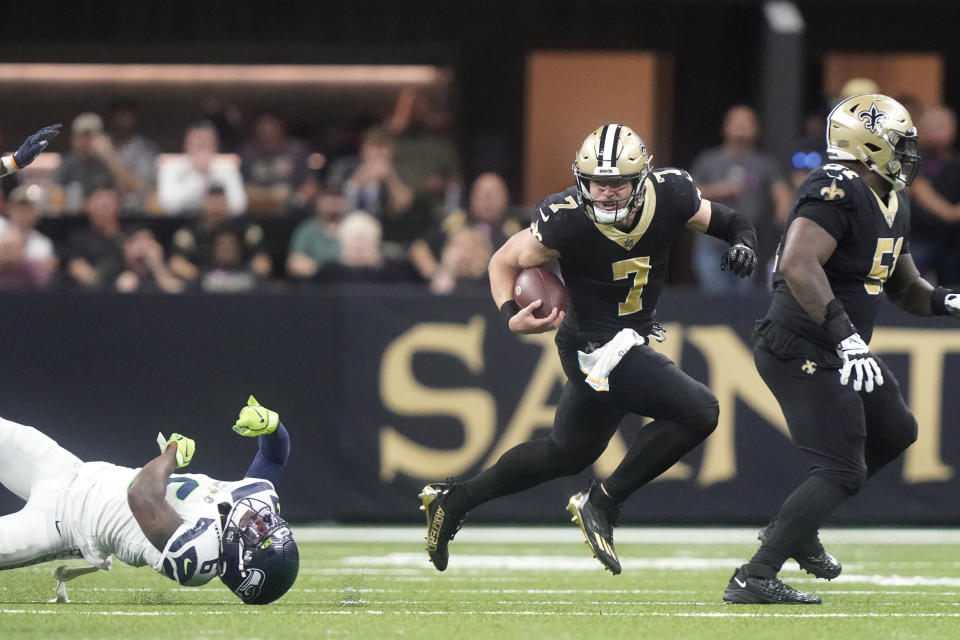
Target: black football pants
(646, 383)
(845, 435)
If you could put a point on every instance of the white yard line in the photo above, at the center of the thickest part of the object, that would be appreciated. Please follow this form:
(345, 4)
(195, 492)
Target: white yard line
(367, 612)
(623, 535)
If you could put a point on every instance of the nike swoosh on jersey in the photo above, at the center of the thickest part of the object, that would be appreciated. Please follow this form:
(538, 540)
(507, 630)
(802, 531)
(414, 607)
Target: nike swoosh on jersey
(545, 218)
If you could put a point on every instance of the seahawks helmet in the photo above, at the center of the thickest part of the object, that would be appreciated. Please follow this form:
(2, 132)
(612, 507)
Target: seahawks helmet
(259, 559)
(877, 131)
(611, 152)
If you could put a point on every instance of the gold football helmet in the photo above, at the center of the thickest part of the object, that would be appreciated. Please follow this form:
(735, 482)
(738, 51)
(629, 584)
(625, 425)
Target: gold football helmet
(877, 131)
(612, 152)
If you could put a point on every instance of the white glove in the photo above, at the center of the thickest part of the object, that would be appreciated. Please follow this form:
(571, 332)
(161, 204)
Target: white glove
(857, 360)
(952, 303)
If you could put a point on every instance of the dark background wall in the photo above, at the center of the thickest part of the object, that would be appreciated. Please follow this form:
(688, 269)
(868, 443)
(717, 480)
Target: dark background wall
(384, 390)
(716, 47)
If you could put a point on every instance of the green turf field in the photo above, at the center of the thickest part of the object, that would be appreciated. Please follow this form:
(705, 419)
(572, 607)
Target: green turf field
(517, 583)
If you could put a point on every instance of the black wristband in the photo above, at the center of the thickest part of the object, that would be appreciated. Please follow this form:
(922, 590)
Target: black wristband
(837, 323)
(938, 299)
(509, 309)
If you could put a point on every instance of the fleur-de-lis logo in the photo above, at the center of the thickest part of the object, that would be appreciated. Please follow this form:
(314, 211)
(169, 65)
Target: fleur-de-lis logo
(809, 367)
(872, 118)
(832, 192)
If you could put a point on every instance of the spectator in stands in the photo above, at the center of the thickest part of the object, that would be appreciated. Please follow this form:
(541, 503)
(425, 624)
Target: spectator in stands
(229, 270)
(314, 241)
(22, 211)
(93, 255)
(17, 271)
(82, 170)
(183, 182)
(274, 167)
(370, 180)
(738, 175)
(131, 156)
(490, 215)
(192, 247)
(935, 195)
(361, 254)
(463, 263)
(426, 155)
(144, 268)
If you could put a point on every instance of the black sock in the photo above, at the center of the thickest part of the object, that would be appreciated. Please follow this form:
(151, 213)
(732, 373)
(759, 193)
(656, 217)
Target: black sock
(525, 465)
(657, 447)
(800, 516)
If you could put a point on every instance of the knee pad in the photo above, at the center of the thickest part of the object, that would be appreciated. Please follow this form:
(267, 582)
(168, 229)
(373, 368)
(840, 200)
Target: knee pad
(571, 463)
(850, 478)
(701, 422)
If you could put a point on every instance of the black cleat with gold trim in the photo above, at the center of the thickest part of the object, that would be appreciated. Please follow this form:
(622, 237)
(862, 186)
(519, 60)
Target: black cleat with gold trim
(441, 524)
(596, 522)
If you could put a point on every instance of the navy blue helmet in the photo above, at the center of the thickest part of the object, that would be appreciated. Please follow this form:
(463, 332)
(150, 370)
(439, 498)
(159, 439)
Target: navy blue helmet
(259, 559)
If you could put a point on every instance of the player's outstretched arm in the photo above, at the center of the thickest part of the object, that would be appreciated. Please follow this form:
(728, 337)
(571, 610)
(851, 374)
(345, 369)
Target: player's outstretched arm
(522, 250)
(720, 221)
(273, 449)
(147, 493)
(29, 150)
(907, 289)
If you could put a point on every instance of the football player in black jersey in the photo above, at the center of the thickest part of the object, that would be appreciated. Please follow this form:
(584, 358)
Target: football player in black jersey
(846, 241)
(611, 233)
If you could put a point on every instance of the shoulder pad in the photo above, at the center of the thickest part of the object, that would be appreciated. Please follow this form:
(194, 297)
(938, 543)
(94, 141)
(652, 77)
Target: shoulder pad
(558, 203)
(829, 183)
(671, 179)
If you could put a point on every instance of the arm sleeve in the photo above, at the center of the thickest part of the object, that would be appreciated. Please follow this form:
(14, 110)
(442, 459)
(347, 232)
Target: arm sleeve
(271, 457)
(727, 224)
(828, 216)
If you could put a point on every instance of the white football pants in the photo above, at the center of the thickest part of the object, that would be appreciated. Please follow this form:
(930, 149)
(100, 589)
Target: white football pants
(38, 470)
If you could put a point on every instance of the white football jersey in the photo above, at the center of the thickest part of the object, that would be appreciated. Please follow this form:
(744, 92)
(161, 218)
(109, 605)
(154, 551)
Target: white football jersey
(98, 520)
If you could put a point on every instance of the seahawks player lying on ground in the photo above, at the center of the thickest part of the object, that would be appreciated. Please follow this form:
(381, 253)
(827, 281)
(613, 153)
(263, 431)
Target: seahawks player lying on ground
(189, 527)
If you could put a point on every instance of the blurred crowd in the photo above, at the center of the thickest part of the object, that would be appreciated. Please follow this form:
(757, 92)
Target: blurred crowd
(116, 213)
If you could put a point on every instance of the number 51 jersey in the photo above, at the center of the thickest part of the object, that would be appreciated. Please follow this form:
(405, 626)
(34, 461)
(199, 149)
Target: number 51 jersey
(613, 277)
(871, 235)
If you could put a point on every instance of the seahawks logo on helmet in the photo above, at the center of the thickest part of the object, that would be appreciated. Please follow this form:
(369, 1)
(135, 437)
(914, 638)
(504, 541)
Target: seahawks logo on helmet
(259, 559)
(249, 589)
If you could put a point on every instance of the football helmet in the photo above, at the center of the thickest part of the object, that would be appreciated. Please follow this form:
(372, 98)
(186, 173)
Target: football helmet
(877, 131)
(259, 559)
(612, 151)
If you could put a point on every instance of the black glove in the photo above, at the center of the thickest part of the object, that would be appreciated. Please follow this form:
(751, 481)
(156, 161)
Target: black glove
(33, 145)
(740, 259)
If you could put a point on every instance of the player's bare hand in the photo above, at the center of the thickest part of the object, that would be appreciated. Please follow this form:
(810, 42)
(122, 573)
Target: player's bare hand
(525, 322)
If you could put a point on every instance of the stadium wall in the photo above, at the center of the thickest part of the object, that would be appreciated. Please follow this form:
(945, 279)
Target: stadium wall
(384, 389)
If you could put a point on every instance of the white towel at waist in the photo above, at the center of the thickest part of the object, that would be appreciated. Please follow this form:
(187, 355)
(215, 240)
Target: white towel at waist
(600, 363)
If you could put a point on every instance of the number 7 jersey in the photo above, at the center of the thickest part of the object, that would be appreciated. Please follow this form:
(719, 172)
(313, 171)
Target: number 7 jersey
(613, 277)
(871, 235)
